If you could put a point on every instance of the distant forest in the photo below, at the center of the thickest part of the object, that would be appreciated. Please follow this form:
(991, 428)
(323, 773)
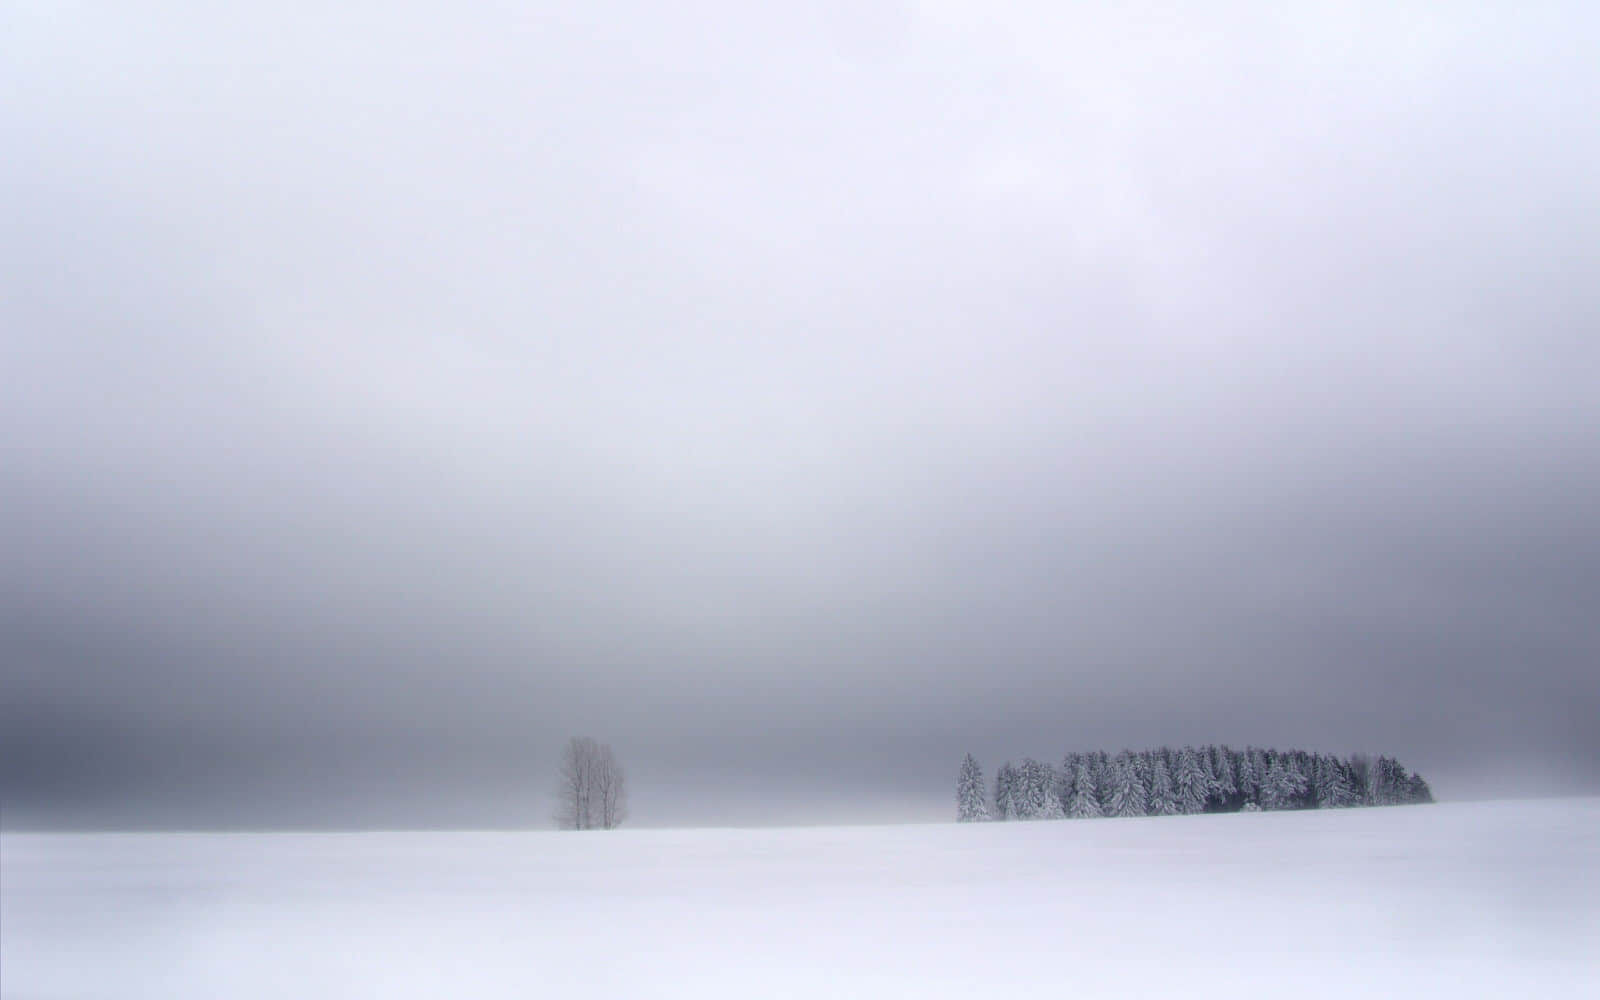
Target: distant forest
(1169, 782)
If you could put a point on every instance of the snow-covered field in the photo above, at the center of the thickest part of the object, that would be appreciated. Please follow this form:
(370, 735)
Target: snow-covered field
(1480, 900)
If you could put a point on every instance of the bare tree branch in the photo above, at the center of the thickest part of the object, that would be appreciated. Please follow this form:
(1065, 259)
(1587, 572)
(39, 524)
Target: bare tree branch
(591, 791)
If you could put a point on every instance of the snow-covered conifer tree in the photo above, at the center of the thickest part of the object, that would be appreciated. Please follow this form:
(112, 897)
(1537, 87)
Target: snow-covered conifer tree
(1401, 780)
(1023, 805)
(1005, 781)
(1417, 791)
(1259, 761)
(1274, 787)
(1190, 784)
(1347, 774)
(1297, 767)
(1223, 789)
(1083, 802)
(972, 803)
(1383, 791)
(1069, 767)
(1034, 795)
(1333, 790)
(1162, 798)
(1246, 777)
(1283, 785)
(1053, 806)
(1202, 757)
(1062, 789)
(1127, 794)
(1101, 770)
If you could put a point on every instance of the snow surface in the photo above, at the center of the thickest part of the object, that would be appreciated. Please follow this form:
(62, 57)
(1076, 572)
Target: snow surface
(1468, 900)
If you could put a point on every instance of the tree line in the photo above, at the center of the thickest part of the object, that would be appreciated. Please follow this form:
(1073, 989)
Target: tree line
(1167, 782)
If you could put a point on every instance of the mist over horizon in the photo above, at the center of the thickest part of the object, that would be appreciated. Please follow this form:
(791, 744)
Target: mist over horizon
(794, 400)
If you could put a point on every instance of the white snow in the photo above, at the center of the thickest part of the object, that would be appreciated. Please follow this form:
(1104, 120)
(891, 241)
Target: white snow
(1454, 900)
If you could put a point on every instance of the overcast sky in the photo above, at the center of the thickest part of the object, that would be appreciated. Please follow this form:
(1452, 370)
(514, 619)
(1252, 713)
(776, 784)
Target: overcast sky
(794, 400)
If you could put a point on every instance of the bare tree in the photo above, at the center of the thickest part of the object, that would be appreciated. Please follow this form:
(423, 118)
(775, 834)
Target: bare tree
(592, 791)
(572, 805)
(610, 790)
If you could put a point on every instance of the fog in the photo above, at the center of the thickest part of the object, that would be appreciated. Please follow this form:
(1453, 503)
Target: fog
(795, 401)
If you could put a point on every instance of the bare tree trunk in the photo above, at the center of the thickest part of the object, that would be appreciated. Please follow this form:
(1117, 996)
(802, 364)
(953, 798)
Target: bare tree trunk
(611, 789)
(572, 790)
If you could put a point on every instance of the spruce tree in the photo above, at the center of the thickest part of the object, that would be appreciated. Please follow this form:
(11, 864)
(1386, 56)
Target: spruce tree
(1050, 789)
(1142, 767)
(1102, 771)
(1190, 784)
(1083, 802)
(1127, 788)
(971, 799)
(1023, 805)
(1284, 784)
(1274, 786)
(1247, 778)
(1208, 777)
(1162, 798)
(1333, 790)
(1034, 795)
(1069, 767)
(1259, 762)
(1224, 790)
(1005, 781)
(1063, 787)
(1297, 767)
(1402, 783)
(1347, 774)
(1383, 782)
